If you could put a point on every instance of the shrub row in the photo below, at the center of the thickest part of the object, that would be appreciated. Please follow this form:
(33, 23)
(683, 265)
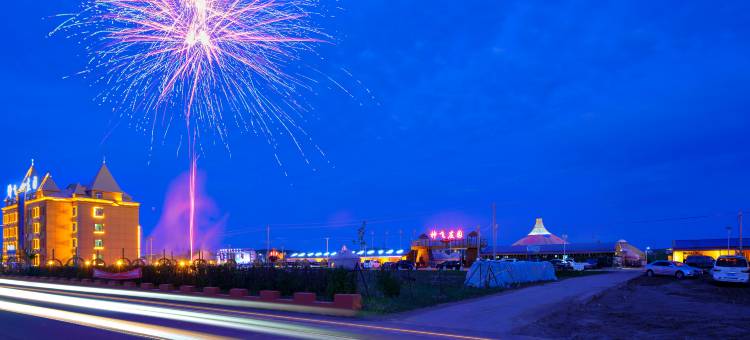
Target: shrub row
(323, 282)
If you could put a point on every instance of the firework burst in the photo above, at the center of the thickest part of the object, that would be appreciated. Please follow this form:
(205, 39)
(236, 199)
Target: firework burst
(196, 60)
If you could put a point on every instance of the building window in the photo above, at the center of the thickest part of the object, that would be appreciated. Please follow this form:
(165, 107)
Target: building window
(75, 211)
(99, 228)
(74, 242)
(37, 227)
(98, 244)
(36, 260)
(75, 227)
(35, 212)
(35, 244)
(98, 212)
(99, 195)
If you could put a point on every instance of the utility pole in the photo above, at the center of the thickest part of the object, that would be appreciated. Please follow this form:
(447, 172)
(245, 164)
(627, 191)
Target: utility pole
(494, 231)
(729, 235)
(740, 218)
(268, 242)
(327, 244)
(151, 250)
(400, 237)
(479, 242)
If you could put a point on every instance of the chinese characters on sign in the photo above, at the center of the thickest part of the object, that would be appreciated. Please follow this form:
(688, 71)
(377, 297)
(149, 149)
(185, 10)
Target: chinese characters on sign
(447, 235)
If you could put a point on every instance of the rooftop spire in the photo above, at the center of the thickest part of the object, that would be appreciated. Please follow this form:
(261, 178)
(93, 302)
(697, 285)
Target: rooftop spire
(104, 181)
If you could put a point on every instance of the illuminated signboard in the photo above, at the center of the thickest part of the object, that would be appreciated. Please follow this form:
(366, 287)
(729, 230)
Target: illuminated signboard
(447, 235)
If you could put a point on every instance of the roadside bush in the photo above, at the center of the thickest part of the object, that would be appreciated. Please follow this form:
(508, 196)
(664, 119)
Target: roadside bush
(321, 281)
(388, 283)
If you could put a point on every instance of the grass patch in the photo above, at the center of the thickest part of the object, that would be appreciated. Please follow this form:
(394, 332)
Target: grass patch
(418, 289)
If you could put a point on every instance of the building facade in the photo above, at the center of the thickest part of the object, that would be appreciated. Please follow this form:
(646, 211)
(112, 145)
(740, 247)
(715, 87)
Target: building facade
(713, 247)
(96, 223)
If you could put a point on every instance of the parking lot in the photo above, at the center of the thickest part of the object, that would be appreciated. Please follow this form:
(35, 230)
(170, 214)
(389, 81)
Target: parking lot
(653, 307)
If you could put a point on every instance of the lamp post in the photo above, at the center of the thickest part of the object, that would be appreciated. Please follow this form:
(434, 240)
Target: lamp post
(648, 248)
(327, 243)
(565, 243)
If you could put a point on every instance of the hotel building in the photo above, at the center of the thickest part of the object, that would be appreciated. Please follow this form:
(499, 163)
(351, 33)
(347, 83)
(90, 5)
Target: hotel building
(44, 224)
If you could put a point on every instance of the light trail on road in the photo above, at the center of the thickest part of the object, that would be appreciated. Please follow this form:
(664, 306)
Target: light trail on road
(120, 326)
(185, 298)
(245, 324)
(137, 298)
(285, 317)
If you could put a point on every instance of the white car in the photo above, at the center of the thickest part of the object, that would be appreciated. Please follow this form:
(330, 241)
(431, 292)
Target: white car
(672, 268)
(575, 266)
(731, 269)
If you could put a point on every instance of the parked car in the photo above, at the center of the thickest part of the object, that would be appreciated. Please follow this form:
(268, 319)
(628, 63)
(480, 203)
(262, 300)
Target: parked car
(575, 266)
(455, 265)
(404, 265)
(389, 266)
(700, 261)
(558, 264)
(672, 268)
(370, 264)
(731, 269)
(591, 264)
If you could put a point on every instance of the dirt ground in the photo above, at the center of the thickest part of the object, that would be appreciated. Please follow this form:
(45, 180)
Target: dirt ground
(656, 307)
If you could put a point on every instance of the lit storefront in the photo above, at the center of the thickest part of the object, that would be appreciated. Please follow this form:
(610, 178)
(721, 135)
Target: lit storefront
(716, 247)
(439, 245)
(323, 258)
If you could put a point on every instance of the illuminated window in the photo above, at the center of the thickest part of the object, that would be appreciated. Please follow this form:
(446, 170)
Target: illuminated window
(74, 242)
(75, 227)
(35, 212)
(37, 227)
(35, 244)
(75, 211)
(98, 212)
(36, 260)
(99, 195)
(99, 228)
(98, 244)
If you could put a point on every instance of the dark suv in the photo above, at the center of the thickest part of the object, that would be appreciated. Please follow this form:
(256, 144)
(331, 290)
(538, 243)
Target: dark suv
(455, 265)
(700, 261)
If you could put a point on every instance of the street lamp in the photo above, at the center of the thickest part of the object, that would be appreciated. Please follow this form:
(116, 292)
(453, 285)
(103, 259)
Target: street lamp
(565, 242)
(648, 248)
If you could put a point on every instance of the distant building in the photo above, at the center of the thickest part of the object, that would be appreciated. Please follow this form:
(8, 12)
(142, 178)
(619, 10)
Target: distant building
(713, 247)
(539, 235)
(541, 244)
(240, 256)
(97, 222)
(619, 253)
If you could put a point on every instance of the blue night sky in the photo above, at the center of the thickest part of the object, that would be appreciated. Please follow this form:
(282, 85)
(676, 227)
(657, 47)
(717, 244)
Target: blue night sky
(610, 119)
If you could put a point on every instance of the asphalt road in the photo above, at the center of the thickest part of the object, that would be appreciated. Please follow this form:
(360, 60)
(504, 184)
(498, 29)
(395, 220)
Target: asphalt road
(32, 309)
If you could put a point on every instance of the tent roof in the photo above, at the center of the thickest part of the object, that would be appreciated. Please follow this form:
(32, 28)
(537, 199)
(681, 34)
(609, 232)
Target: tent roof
(539, 235)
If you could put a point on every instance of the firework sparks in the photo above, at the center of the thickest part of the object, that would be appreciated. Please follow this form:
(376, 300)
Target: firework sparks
(195, 60)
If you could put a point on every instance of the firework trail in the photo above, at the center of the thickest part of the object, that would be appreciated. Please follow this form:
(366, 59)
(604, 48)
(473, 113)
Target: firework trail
(195, 60)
